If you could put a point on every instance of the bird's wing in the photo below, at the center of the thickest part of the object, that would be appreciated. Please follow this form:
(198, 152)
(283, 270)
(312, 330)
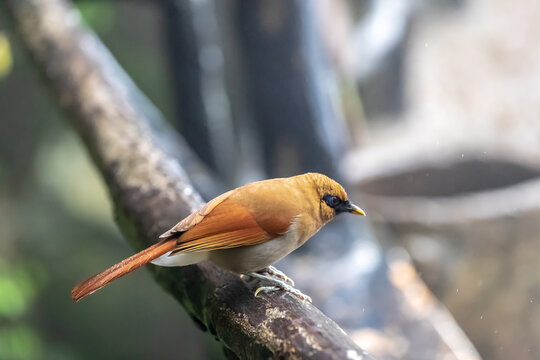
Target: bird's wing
(195, 217)
(226, 225)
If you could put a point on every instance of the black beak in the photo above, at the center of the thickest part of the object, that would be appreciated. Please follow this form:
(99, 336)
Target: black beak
(349, 207)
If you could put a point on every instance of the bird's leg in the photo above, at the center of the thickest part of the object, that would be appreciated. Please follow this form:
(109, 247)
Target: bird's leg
(278, 284)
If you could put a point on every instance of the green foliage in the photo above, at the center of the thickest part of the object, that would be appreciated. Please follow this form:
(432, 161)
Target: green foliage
(6, 57)
(99, 15)
(19, 285)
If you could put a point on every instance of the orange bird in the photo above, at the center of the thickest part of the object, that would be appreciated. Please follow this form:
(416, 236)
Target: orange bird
(244, 230)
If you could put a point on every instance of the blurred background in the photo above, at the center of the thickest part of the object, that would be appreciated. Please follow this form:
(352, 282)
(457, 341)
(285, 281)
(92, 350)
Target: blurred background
(427, 110)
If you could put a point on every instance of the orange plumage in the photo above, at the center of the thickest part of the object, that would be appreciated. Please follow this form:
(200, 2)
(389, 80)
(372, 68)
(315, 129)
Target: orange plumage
(244, 230)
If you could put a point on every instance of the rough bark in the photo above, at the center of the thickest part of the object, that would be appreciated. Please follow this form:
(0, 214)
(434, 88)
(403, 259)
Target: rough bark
(150, 192)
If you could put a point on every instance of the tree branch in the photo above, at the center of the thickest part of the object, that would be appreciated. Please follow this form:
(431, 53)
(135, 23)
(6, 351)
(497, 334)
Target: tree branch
(150, 192)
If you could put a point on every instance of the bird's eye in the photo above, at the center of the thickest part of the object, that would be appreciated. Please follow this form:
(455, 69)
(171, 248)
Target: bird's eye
(331, 200)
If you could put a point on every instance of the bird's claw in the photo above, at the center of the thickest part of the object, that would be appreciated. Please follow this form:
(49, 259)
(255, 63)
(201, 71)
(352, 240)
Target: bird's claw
(287, 288)
(278, 285)
(266, 289)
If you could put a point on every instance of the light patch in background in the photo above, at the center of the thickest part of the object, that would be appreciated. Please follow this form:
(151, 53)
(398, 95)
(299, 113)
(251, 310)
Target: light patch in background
(6, 57)
(64, 171)
(19, 284)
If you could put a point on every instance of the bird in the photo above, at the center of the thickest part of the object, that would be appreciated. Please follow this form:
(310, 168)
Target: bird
(244, 230)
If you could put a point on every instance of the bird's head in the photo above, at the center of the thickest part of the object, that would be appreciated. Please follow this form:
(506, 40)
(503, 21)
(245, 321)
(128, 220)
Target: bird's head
(332, 197)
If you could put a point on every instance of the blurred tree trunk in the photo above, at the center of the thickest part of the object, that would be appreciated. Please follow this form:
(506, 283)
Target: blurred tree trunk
(197, 67)
(296, 122)
(183, 51)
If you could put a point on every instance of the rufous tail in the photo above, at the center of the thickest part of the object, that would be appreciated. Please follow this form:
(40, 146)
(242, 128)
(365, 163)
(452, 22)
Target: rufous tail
(124, 267)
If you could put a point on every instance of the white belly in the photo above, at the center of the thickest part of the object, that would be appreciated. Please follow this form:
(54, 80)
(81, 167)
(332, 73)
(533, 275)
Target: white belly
(255, 257)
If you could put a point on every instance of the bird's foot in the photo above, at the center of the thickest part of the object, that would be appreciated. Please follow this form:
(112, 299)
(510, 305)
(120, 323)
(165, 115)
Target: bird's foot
(272, 271)
(278, 284)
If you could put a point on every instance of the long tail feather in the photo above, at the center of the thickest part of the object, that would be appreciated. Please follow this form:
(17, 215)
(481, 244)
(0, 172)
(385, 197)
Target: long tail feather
(124, 267)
